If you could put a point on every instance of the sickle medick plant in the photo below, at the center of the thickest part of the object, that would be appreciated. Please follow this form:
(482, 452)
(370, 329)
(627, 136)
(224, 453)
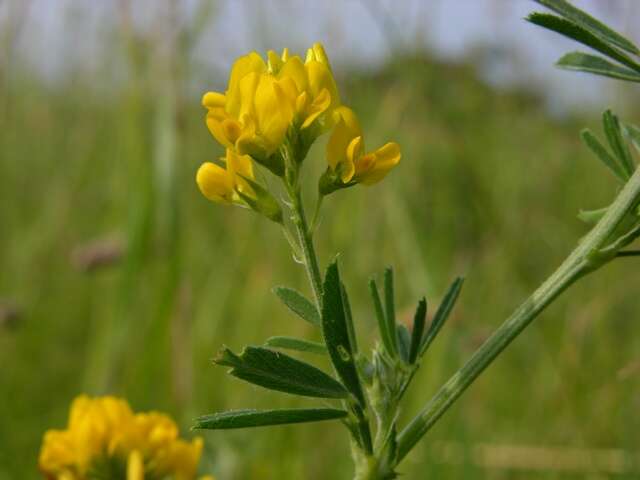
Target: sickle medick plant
(271, 114)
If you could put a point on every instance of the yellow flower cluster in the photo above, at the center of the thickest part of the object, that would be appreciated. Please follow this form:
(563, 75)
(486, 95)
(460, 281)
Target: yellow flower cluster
(271, 113)
(105, 439)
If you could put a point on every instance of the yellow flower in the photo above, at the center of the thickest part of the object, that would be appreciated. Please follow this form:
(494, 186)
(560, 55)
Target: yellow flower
(104, 431)
(264, 99)
(348, 162)
(235, 184)
(224, 185)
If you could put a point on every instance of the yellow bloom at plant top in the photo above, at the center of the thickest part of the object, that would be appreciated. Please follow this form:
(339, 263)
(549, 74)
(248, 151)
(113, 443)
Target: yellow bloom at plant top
(105, 439)
(348, 161)
(264, 99)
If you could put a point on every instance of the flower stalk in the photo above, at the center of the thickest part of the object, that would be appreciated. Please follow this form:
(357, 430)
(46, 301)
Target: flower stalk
(305, 241)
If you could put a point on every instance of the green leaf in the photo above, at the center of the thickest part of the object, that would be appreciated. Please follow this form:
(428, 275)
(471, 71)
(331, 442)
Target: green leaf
(349, 319)
(591, 141)
(292, 343)
(336, 334)
(586, 21)
(633, 133)
(591, 217)
(262, 418)
(442, 313)
(579, 34)
(385, 335)
(613, 132)
(419, 322)
(404, 342)
(277, 371)
(583, 62)
(390, 309)
(298, 304)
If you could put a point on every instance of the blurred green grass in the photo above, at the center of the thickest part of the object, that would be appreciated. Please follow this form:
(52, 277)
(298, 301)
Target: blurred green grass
(489, 187)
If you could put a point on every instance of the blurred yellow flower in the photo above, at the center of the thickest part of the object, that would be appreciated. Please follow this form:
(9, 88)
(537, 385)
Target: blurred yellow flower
(225, 185)
(346, 155)
(105, 439)
(264, 99)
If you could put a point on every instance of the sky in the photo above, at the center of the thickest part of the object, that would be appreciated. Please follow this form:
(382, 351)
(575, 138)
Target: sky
(56, 37)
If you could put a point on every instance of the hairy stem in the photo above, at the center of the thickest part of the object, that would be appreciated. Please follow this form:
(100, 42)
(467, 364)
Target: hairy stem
(305, 239)
(587, 257)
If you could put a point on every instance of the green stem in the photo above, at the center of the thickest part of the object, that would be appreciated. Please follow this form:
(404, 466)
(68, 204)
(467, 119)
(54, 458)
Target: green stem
(305, 239)
(587, 257)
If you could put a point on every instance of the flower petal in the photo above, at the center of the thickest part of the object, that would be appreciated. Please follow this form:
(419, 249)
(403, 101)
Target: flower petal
(320, 77)
(214, 183)
(213, 100)
(319, 105)
(295, 69)
(214, 120)
(273, 118)
(346, 129)
(243, 66)
(386, 157)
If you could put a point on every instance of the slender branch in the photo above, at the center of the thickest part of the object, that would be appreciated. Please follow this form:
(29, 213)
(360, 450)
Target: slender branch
(587, 257)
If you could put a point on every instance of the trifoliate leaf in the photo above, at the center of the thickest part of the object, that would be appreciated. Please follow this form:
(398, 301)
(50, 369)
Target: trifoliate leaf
(298, 344)
(277, 371)
(385, 335)
(580, 34)
(442, 313)
(613, 132)
(390, 309)
(336, 334)
(262, 418)
(586, 21)
(633, 133)
(611, 162)
(404, 342)
(419, 322)
(298, 304)
(583, 62)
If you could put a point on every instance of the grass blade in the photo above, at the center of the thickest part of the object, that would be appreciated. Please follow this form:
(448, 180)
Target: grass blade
(263, 418)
